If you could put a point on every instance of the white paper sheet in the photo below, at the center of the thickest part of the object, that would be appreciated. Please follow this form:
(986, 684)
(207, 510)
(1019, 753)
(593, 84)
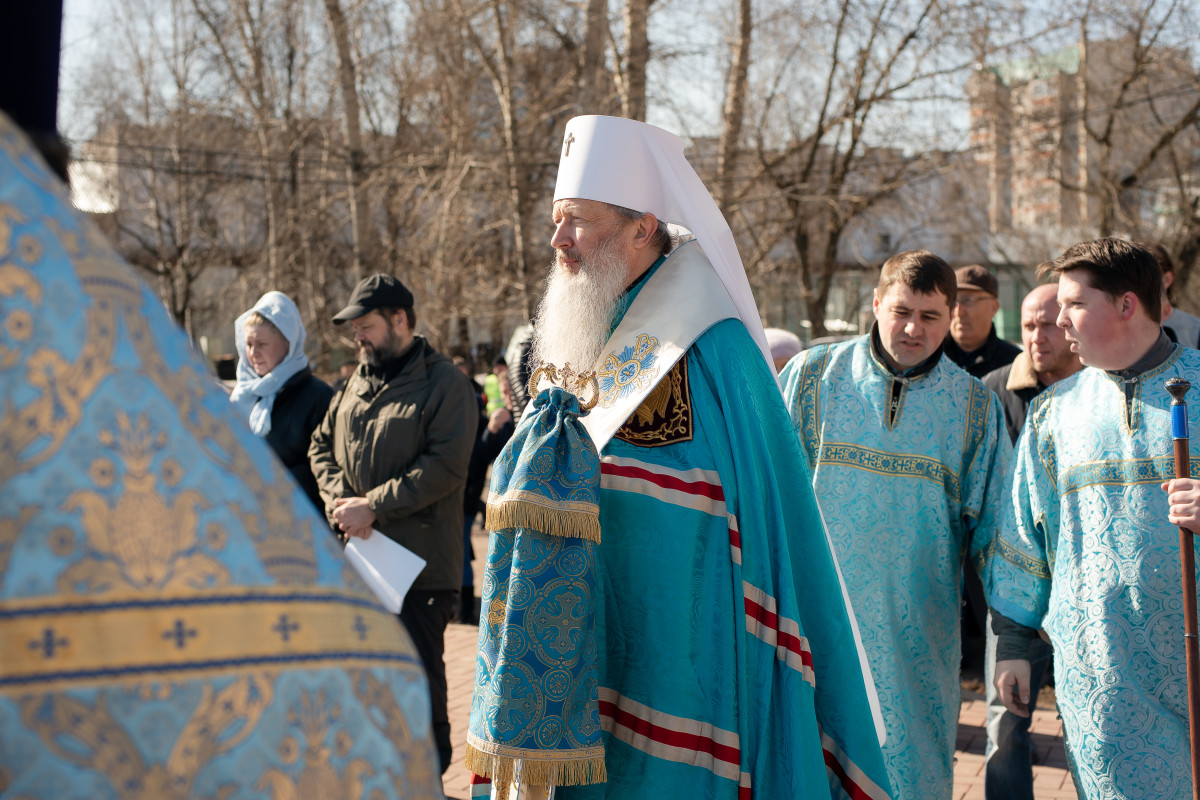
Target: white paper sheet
(388, 568)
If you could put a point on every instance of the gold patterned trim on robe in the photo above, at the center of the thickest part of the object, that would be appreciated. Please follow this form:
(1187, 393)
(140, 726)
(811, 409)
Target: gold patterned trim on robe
(881, 462)
(580, 767)
(665, 416)
(524, 509)
(808, 402)
(54, 644)
(978, 404)
(1022, 561)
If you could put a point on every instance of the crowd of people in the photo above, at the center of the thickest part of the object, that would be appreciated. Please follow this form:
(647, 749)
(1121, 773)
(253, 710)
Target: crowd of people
(719, 565)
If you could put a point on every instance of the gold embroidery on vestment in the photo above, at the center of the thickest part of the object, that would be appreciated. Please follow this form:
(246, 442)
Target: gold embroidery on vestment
(665, 416)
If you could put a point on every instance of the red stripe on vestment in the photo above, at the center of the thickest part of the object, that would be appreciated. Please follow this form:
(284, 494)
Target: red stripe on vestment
(480, 786)
(853, 780)
(684, 741)
(786, 640)
(735, 541)
(702, 488)
(852, 789)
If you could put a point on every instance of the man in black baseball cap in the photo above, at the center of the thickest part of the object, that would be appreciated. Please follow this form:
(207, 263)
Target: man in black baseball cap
(391, 456)
(375, 292)
(382, 335)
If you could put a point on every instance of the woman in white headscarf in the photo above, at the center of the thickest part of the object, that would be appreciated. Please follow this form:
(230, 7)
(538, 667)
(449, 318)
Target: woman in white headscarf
(276, 390)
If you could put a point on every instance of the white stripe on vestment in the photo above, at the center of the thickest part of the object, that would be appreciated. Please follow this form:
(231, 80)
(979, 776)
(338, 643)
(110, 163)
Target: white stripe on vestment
(855, 775)
(708, 476)
(735, 539)
(684, 497)
(671, 724)
(784, 625)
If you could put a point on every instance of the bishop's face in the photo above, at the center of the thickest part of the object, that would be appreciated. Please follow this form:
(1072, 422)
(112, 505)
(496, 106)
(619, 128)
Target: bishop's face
(911, 324)
(591, 269)
(583, 228)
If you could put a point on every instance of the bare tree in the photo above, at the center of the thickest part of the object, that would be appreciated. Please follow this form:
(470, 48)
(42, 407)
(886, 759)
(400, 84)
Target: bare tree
(1096, 132)
(637, 56)
(835, 99)
(360, 207)
(1139, 96)
(735, 104)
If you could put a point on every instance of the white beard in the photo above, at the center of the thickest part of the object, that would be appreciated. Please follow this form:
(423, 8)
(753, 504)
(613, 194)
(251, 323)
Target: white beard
(575, 317)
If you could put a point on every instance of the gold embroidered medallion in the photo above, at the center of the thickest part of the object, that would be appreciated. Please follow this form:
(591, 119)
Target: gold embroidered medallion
(665, 416)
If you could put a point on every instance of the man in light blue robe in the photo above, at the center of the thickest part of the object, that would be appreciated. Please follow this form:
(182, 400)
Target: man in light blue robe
(909, 459)
(1087, 552)
(726, 658)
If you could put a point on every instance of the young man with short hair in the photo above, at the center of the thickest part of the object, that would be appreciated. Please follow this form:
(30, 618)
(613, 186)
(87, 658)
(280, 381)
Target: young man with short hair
(909, 460)
(1087, 552)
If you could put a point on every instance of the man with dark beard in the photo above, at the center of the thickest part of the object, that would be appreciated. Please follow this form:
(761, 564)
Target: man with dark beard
(391, 455)
(725, 659)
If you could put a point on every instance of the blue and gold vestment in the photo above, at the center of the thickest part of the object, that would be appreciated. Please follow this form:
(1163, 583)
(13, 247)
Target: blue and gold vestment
(175, 619)
(906, 498)
(1087, 553)
(725, 658)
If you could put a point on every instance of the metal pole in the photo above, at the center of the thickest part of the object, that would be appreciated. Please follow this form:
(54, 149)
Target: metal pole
(1178, 388)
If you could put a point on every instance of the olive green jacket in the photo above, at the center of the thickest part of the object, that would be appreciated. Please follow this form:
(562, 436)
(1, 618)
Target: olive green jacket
(405, 448)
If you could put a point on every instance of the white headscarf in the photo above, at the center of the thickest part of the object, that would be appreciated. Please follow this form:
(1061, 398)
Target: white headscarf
(628, 163)
(254, 396)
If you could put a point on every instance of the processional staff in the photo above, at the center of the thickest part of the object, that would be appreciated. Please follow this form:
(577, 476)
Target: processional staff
(1178, 387)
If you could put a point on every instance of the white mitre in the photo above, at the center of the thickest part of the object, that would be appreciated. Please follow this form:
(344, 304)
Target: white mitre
(628, 163)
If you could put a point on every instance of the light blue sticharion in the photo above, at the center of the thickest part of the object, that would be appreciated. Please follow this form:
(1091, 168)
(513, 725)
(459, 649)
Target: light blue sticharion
(1088, 554)
(175, 618)
(726, 662)
(906, 498)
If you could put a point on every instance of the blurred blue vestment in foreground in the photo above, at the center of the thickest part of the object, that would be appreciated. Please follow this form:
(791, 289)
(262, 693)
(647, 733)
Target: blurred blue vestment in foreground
(175, 618)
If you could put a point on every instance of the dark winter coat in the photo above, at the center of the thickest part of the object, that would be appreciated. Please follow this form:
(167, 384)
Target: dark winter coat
(994, 353)
(299, 407)
(405, 447)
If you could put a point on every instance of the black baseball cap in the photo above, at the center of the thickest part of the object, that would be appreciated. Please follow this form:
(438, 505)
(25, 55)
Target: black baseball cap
(375, 291)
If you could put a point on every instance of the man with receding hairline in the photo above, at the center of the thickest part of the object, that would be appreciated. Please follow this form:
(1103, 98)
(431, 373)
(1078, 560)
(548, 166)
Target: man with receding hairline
(909, 458)
(1046, 359)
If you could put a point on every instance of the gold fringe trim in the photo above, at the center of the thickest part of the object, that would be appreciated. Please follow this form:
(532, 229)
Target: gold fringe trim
(502, 769)
(511, 513)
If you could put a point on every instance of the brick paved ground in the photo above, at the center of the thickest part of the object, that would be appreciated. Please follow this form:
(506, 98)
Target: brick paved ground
(1050, 777)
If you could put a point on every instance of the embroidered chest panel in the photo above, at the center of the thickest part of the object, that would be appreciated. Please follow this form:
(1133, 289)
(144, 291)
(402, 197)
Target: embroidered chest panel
(665, 416)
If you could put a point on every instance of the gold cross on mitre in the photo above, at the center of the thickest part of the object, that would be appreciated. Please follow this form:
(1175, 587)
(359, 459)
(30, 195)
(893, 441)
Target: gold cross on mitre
(570, 138)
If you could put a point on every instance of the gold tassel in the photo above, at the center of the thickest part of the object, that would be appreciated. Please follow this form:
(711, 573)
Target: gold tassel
(501, 769)
(510, 513)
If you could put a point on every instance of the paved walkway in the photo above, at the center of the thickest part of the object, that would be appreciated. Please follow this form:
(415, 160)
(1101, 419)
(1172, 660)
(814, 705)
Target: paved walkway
(1051, 780)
